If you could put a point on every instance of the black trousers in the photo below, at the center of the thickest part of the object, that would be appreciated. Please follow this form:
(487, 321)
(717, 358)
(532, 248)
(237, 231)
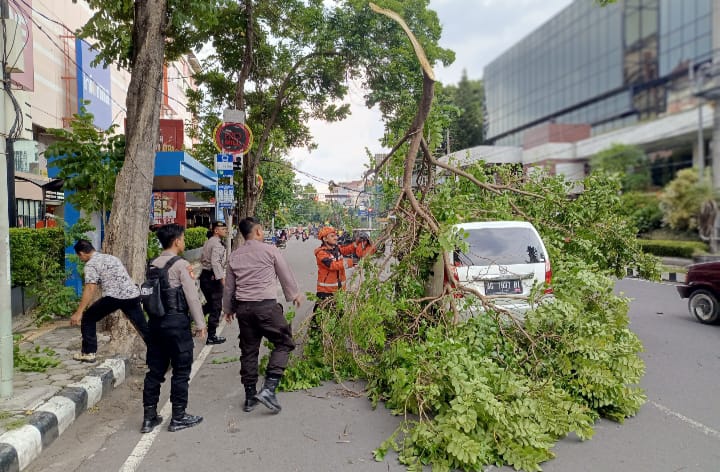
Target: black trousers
(103, 307)
(213, 291)
(257, 320)
(170, 345)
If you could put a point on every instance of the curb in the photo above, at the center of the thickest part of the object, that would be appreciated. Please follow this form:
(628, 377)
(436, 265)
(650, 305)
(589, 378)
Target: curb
(677, 277)
(19, 447)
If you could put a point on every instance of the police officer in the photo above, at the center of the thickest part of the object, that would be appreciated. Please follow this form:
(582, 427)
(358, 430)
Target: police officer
(170, 341)
(212, 278)
(251, 295)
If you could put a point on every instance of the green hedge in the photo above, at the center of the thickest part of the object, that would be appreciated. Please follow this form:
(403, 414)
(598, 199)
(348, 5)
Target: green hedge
(195, 237)
(32, 251)
(686, 249)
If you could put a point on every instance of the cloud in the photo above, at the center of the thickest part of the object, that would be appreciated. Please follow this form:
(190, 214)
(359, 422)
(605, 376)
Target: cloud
(477, 34)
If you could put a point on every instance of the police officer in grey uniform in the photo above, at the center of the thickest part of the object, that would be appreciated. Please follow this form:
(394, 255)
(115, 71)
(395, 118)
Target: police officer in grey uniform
(212, 278)
(170, 341)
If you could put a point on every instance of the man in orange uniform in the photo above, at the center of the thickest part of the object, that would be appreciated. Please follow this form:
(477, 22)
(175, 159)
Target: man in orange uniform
(332, 264)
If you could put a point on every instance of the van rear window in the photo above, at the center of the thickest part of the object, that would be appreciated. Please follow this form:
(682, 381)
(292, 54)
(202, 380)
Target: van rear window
(504, 246)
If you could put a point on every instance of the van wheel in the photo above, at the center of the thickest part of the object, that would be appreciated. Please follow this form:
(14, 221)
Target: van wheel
(704, 305)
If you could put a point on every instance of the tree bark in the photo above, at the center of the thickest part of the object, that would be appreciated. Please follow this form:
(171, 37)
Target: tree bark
(129, 218)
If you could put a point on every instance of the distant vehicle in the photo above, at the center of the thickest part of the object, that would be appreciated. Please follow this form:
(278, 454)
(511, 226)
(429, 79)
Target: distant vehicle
(505, 260)
(702, 289)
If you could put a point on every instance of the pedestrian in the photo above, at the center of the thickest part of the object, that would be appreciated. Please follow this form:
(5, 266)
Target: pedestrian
(212, 279)
(170, 341)
(250, 295)
(331, 265)
(118, 292)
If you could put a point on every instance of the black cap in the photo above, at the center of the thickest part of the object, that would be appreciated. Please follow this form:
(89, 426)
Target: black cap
(219, 224)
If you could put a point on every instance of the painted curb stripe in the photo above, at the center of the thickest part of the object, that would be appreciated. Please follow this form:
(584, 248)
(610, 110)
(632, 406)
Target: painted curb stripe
(93, 387)
(118, 367)
(105, 374)
(47, 424)
(77, 395)
(27, 443)
(8, 458)
(64, 410)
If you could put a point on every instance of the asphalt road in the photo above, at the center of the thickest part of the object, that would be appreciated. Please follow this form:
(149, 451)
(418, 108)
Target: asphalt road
(325, 429)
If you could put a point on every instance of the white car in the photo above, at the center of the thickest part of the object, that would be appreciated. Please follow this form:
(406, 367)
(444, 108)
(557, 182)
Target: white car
(504, 261)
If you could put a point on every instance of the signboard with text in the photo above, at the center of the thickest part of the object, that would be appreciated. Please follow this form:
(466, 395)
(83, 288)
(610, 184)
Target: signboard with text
(93, 84)
(224, 165)
(233, 137)
(225, 195)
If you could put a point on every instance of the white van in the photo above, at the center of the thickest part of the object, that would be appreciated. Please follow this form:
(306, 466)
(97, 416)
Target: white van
(504, 261)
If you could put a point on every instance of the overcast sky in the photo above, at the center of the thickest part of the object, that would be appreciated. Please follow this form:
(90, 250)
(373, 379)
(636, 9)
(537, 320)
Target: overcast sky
(477, 30)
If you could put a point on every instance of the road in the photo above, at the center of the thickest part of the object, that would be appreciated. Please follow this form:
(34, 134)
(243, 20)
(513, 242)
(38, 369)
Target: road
(325, 429)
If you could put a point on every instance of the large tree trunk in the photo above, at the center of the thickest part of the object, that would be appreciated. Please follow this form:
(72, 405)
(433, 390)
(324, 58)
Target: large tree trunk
(129, 217)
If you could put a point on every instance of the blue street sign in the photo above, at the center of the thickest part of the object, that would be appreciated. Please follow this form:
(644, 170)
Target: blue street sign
(225, 196)
(224, 165)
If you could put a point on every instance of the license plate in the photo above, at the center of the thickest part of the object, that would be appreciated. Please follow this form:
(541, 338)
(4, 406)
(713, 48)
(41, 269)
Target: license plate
(503, 287)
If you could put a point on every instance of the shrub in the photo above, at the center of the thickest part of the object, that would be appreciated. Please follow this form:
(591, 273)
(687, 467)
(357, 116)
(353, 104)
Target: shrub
(642, 210)
(681, 199)
(628, 162)
(31, 250)
(195, 237)
(685, 249)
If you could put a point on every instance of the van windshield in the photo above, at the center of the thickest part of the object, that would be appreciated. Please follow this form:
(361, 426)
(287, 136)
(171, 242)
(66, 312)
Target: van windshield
(502, 246)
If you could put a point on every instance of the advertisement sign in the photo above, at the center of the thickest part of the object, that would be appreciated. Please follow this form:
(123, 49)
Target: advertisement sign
(168, 207)
(93, 84)
(172, 135)
(225, 195)
(233, 137)
(224, 165)
(21, 12)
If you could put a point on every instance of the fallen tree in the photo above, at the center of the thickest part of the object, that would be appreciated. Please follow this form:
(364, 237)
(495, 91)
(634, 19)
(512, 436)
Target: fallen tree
(493, 389)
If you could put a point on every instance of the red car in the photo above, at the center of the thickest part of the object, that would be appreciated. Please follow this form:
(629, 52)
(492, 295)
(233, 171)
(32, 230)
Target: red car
(702, 288)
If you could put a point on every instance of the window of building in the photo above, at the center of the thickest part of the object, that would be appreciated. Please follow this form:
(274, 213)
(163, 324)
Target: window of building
(28, 212)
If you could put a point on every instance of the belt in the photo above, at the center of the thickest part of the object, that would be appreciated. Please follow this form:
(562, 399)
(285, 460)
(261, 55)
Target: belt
(256, 302)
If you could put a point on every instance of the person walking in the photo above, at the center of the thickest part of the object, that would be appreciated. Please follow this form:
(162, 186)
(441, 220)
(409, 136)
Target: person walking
(212, 279)
(119, 292)
(250, 295)
(170, 341)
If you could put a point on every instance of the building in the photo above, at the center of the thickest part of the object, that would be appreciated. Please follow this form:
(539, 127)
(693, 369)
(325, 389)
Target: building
(592, 76)
(52, 75)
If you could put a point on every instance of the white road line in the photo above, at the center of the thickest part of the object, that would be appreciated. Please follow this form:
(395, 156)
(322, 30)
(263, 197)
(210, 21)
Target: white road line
(145, 443)
(706, 430)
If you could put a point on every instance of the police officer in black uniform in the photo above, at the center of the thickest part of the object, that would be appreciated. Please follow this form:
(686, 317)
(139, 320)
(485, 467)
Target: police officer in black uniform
(170, 342)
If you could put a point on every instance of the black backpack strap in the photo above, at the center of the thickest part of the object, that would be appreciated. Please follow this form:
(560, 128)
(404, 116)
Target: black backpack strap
(166, 268)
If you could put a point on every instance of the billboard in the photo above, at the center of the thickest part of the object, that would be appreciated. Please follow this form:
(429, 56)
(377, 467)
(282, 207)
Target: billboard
(93, 83)
(21, 11)
(169, 207)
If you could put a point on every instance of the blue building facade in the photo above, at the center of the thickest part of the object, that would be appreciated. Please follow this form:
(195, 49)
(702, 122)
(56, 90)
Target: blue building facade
(606, 67)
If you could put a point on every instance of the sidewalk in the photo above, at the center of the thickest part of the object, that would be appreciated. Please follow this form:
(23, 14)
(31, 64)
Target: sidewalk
(44, 404)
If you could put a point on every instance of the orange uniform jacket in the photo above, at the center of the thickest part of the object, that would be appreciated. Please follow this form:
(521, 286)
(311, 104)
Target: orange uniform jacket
(331, 267)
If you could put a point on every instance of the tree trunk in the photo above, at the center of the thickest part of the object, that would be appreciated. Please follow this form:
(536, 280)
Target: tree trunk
(129, 218)
(250, 186)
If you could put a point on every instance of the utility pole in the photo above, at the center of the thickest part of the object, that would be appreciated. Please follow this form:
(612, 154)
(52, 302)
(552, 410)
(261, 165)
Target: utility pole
(6, 338)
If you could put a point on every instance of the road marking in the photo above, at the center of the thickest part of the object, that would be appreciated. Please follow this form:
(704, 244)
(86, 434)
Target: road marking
(145, 443)
(706, 430)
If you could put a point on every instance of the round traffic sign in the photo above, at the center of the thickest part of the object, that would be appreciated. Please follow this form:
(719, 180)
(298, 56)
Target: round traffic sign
(233, 138)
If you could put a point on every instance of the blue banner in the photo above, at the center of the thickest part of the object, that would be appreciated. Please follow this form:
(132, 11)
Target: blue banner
(93, 84)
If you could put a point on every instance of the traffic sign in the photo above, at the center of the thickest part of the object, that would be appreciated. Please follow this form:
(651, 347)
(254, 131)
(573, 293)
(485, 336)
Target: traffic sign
(224, 165)
(225, 196)
(233, 137)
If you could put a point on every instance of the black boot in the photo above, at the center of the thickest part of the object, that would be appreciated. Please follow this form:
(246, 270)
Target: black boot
(267, 394)
(150, 419)
(250, 400)
(181, 420)
(213, 339)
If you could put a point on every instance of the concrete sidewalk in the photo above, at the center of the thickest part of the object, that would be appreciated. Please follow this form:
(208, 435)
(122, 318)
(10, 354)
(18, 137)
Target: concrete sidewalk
(44, 404)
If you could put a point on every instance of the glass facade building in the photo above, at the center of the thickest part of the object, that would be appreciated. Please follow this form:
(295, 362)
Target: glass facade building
(606, 67)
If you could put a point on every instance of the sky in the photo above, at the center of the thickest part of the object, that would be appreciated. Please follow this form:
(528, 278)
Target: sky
(477, 30)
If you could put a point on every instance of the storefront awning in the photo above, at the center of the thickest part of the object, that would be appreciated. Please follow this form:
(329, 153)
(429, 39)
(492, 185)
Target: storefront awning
(177, 171)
